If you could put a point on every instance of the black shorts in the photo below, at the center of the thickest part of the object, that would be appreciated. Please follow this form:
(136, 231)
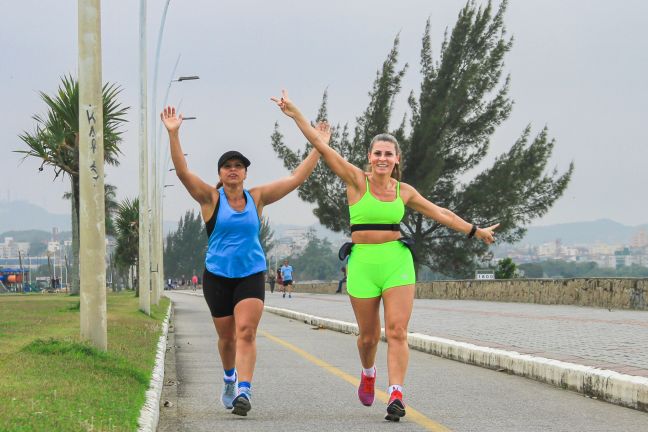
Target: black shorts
(222, 294)
(287, 282)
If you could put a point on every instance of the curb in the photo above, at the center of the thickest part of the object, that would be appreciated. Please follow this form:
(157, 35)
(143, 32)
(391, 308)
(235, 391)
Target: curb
(610, 386)
(150, 413)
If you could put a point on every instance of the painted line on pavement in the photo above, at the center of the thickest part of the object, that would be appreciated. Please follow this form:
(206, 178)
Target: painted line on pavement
(412, 414)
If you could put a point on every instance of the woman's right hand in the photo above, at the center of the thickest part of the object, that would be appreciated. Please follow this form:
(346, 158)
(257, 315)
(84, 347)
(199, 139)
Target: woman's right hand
(286, 105)
(170, 120)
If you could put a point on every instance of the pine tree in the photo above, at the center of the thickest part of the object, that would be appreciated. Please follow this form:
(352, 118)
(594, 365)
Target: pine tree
(461, 101)
(184, 253)
(266, 236)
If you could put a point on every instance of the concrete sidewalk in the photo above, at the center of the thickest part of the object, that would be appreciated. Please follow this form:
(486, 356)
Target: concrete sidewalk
(616, 340)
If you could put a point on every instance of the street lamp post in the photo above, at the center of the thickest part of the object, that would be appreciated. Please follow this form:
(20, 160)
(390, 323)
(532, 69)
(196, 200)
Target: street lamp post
(156, 229)
(157, 262)
(144, 260)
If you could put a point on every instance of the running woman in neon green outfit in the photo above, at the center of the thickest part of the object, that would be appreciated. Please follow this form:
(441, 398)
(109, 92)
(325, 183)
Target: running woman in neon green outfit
(380, 266)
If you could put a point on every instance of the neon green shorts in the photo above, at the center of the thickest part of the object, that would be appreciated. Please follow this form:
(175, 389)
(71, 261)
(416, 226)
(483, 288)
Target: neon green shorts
(374, 268)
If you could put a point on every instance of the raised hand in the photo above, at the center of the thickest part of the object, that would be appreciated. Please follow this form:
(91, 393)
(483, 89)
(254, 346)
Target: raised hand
(323, 131)
(486, 234)
(285, 104)
(170, 120)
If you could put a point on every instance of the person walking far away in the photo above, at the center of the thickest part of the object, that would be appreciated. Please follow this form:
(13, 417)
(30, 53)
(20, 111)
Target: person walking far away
(280, 281)
(233, 281)
(194, 282)
(380, 264)
(287, 277)
(342, 281)
(272, 278)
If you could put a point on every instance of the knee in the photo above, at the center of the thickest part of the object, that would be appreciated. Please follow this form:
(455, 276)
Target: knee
(246, 333)
(396, 333)
(368, 340)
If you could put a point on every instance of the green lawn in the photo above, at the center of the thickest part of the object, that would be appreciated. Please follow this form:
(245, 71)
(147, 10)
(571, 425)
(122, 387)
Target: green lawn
(50, 381)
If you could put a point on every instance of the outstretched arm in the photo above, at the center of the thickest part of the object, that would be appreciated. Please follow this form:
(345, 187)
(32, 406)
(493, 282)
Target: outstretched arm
(413, 199)
(349, 173)
(274, 191)
(198, 189)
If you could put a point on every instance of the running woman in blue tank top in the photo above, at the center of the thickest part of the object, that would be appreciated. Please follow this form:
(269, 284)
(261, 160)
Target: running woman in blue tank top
(233, 282)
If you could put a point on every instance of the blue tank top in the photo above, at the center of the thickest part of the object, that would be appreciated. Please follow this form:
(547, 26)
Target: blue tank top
(234, 249)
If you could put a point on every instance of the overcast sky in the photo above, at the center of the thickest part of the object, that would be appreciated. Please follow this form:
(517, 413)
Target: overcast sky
(581, 68)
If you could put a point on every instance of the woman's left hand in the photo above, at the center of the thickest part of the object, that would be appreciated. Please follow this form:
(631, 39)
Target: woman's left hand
(286, 105)
(324, 131)
(486, 234)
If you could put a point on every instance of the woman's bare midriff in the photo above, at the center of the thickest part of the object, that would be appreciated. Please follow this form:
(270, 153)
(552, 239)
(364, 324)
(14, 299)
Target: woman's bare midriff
(374, 237)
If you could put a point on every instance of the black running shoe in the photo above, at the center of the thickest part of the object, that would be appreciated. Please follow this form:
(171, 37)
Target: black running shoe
(241, 405)
(396, 407)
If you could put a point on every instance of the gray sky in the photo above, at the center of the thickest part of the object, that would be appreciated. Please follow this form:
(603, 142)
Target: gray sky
(579, 67)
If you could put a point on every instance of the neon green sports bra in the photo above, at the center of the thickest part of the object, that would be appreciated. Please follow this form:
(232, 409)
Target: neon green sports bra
(370, 210)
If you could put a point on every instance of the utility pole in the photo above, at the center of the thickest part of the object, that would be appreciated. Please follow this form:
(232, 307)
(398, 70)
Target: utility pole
(144, 261)
(156, 252)
(92, 227)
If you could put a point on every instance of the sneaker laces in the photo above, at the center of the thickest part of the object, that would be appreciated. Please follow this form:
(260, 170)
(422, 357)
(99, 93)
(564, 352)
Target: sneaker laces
(368, 383)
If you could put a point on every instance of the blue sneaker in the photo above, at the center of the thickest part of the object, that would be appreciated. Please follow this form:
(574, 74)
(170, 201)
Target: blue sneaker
(242, 404)
(229, 393)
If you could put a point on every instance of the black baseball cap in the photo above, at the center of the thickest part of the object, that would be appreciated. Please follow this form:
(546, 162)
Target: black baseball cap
(232, 154)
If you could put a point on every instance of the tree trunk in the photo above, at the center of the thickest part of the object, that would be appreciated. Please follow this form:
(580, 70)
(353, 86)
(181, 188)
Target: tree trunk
(74, 274)
(136, 280)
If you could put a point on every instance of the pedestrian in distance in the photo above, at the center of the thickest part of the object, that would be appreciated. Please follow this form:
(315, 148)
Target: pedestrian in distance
(280, 281)
(194, 282)
(342, 281)
(380, 265)
(272, 278)
(233, 280)
(287, 277)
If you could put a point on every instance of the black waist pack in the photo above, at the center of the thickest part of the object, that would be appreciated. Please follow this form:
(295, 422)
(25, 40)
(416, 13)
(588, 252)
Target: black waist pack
(345, 249)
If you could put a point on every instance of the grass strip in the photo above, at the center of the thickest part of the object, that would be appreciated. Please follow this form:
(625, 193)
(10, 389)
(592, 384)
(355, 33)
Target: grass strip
(53, 381)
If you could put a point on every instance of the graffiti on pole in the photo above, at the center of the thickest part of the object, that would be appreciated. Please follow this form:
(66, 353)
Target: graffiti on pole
(90, 114)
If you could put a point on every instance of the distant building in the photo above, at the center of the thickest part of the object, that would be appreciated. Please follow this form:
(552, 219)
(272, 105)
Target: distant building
(639, 240)
(623, 258)
(53, 246)
(10, 248)
(298, 238)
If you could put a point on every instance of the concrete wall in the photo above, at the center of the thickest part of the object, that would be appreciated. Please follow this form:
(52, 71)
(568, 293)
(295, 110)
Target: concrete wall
(619, 293)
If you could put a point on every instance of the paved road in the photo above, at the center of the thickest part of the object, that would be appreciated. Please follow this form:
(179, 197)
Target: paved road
(305, 381)
(616, 340)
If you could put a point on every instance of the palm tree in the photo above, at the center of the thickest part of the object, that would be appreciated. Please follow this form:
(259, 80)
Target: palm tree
(110, 206)
(127, 229)
(56, 137)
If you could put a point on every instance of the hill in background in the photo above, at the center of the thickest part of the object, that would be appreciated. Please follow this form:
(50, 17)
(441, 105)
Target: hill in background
(21, 216)
(598, 231)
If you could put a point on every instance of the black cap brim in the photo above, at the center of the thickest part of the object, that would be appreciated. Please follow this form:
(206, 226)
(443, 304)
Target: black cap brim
(232, 154)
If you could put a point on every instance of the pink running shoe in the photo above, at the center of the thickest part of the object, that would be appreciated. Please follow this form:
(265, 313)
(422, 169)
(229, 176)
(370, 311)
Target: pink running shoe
(366, 391)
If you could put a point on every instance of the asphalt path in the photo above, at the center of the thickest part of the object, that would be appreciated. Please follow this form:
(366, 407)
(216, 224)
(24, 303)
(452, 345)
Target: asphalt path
(306, 378)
